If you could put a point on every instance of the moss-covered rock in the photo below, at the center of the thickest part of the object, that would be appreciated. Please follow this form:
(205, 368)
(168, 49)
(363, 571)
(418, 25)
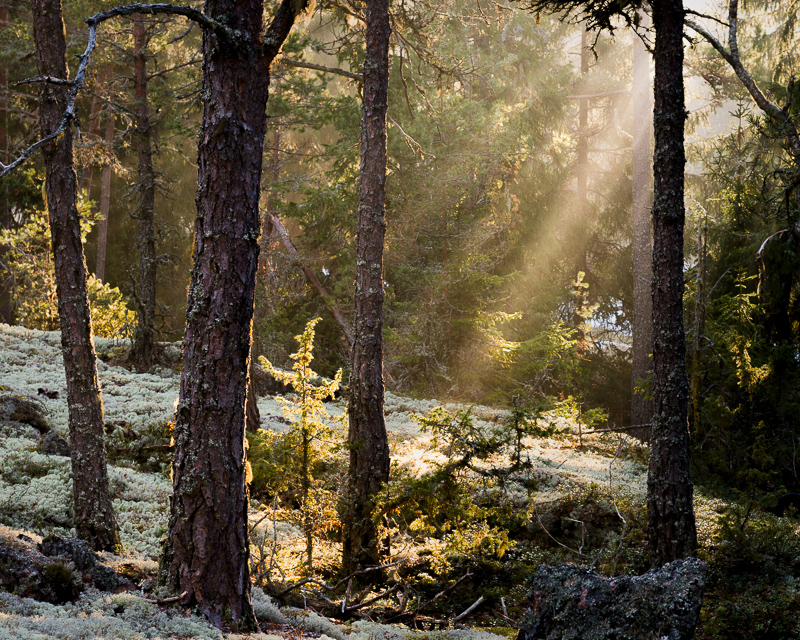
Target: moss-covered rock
(570, 602)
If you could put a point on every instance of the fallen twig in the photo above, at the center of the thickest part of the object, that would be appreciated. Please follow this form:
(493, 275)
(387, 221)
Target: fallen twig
(305, 581)
(443, 591)
(469, 610)
(380, 596)
(169, 600)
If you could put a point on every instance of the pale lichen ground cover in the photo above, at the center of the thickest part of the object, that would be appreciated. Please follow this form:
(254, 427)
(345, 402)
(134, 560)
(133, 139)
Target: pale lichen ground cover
(35, 491)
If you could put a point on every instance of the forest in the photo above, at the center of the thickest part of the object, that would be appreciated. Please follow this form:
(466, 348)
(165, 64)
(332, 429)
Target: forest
(391, 320)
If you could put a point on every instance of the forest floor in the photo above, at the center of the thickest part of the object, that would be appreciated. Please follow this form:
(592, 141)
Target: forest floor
(592, 482)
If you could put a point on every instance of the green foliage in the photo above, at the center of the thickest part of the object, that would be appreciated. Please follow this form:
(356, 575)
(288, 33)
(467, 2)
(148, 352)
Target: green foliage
(463, 511)
(754, 577)
(30, 264)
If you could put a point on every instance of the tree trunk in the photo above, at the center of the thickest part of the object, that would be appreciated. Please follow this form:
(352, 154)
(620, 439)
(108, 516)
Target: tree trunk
(144, 342)
(207, 551)
(641, 406)
(93, 514)
(699, 322)
(100, 80)
(369, 450)
(7, 302)
(671, 525)
(252, 413)
(105, 197)
(252, 417)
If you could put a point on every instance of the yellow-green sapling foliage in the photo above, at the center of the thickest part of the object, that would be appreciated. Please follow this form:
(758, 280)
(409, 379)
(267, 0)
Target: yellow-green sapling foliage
(309, 420)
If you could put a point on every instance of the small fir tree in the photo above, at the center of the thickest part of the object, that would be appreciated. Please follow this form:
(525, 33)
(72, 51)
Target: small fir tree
(309, 419)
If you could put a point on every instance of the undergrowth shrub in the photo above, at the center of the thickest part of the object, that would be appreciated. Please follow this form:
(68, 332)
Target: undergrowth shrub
(29, 263)
(754, 578)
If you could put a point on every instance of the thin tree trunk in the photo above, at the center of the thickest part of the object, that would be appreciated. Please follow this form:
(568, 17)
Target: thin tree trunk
(671, 525)
(105, 197)
(699, 322)
(207, 551)
(252, 419)
(144, 342)
(252, 412)
(369, 450)
(641, 406)
(581, 213)
(7, 302)
(5, 211)
(93, 513)
(94, 127)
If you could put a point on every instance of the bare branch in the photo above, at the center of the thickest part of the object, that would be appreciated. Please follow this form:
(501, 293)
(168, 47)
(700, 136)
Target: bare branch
(166, 600)
(48, 80)
(311, 277)
(616, 429)
(319, 67)
(469, 610)
(154, 9)
(292, 587)
(443, 591)
(605, 94)
(706, 16)
(380, 596)
(731, 56)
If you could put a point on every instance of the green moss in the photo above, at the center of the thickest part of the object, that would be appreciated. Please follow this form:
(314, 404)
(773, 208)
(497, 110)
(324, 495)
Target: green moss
(58, 577)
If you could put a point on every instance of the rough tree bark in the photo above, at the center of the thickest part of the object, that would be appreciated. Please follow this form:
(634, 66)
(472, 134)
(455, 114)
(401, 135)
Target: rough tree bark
(642, 245)
(207, 552)
(369, 450)
(670, 514)
(144, 342)
(93, 513)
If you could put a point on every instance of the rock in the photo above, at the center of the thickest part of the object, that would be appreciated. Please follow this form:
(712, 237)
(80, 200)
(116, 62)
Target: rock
(569, 602)
(72, 549)
(26, 572)
(786, 501)
(27, 410)
(85, 560)
(52, 444)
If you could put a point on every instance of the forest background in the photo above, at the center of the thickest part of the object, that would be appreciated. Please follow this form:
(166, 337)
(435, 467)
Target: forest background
(508, 257)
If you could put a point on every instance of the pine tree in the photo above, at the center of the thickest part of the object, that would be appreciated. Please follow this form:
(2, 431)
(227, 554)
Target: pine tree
(93, 512)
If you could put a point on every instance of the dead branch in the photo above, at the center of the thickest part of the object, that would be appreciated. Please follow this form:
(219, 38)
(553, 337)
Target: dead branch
(319, 67)
(560, 544)
(380, 596)
(312, 279)
(605, 94)
(779, 116)
(469, 610)
(347, 578)
(47, 79)
(166, 600)
(442, 592)
(615, 429)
